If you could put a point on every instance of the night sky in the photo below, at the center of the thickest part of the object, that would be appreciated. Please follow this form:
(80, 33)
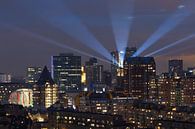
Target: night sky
(19, 49)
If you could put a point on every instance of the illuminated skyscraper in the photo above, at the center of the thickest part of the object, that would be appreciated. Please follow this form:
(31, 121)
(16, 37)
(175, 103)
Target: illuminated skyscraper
(45, 91)
(33, 74)
(117, 67)
(140, 73)
(66, 71)
(176, 68)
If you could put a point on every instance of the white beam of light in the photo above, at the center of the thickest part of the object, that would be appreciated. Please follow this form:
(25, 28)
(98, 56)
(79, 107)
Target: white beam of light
(166, 27)
(171, 45)
(121, 17)
(58, 15)
(52, 42)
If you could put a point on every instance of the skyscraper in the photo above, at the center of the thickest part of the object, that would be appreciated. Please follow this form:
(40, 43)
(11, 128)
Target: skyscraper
(66, 71)
(45, 91)
(140, 73)
(94, 72)
(107, 78)
(33, 74)
(176, 68)
(117, 66)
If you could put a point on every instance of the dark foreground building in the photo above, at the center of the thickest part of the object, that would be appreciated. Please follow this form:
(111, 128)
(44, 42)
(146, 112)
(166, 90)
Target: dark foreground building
(14, 117)
(71, 119)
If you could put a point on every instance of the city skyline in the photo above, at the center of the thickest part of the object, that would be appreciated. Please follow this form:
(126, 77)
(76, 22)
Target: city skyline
(147, 18)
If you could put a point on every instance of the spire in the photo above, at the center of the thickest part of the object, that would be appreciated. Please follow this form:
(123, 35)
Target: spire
(45, 77)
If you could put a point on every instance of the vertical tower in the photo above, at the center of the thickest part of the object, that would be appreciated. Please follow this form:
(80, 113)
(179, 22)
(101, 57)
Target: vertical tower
(66, 71)
(140, 73)
(94, 72)
(45, 91)
(117, 67)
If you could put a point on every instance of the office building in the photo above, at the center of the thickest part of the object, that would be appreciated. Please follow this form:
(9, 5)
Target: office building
(107, 78)
(117, 66)
(140, 74)
(33, 74)
(176, 91)
(66, 71)
(94, 72)
(45, 91)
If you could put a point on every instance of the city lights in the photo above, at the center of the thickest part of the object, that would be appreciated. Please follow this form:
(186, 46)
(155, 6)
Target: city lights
(68, 64)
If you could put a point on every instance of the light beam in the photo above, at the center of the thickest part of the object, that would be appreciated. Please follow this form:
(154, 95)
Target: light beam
(61, 17)
(171, 45)
(166, 27)
(121, 17)
(52, 42)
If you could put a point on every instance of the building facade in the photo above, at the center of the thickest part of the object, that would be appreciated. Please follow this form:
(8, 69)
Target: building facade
(94, 72)
(45, 91)
(140, 74)
(117, 65)
(33, 74)
(66, 71)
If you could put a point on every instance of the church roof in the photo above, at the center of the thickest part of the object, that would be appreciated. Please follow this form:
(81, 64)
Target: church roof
(45, 77)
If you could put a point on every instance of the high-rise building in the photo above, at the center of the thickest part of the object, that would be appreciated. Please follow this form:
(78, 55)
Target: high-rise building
(33, 74)
(107, 79)
(94, 72)
(5, 78)
(117, 66)
(164, 89)
(176, 91)
(176, 68)
(66, 71)
(45, 91)
(140, 74)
